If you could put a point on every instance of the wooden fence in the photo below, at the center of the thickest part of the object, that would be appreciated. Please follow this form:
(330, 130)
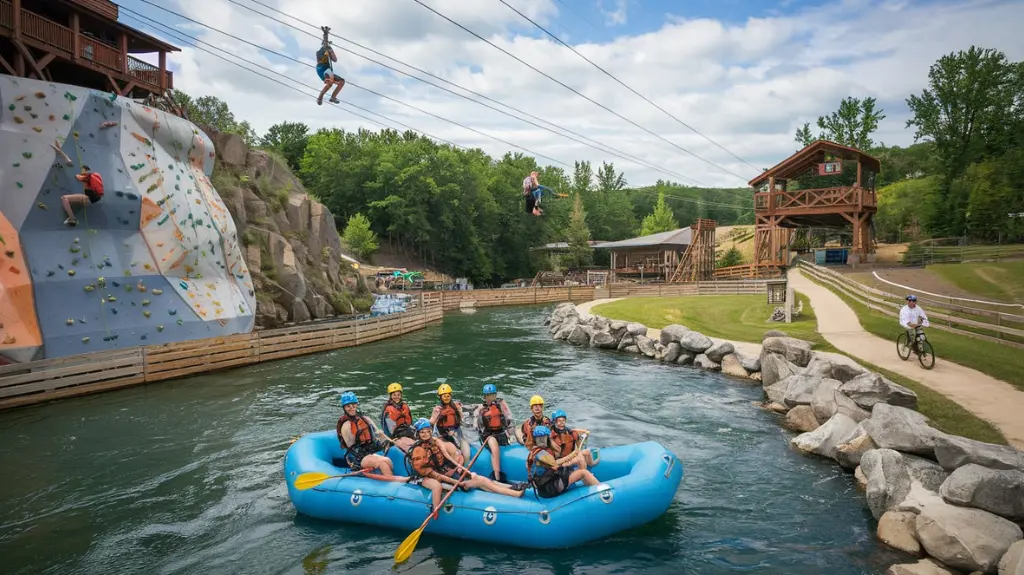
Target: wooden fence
(983, 324)
(515, 296)
(49, 379)
(747, 287)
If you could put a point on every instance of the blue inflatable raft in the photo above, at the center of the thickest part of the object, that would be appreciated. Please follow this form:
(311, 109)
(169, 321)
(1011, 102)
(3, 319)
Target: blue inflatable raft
(638, 483)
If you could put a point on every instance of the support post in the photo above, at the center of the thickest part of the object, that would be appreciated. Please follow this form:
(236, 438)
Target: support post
(76, 38)
(124, 53)
(163, 71)
(16, 17)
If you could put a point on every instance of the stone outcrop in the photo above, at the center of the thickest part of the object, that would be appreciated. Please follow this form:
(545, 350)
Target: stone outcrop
(291, 242)
(954, 498)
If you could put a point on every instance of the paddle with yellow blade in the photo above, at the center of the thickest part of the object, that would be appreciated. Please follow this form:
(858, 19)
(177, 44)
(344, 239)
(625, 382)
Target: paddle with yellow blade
(315, 478)
(405, 550)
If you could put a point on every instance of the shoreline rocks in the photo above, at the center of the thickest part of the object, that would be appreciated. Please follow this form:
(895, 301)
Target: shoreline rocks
(952, 504)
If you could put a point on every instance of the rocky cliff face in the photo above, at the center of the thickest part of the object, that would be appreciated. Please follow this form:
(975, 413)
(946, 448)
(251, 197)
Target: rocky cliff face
(291, 244)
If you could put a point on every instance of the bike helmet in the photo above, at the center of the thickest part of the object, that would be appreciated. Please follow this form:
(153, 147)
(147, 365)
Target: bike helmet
(541, 431)
(911, 297)
(421, 423)
(490, 388)
(394, 387)
(558, 413)
(348, 397)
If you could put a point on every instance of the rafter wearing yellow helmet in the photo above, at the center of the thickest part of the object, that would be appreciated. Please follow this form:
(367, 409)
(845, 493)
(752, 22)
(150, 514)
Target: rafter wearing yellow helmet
(396, 418)
(447, 418)
(393, 387)
(537, 417)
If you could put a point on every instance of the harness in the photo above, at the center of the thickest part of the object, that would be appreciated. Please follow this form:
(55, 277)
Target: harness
(538, 475)
(426, 456)
(400, 414)
(365, 443)
(492, 418)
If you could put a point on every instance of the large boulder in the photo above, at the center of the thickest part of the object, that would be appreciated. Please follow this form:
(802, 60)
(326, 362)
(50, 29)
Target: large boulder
(751, 364)
(828, 400)
(627, 340)
(901, 429)
(888, 479)
(777, 393)
(850, 452)
(964, 538)
(897, 530)
(672, 352)
(646, 345)
(580, 335)
(695, 342)
(775, 368)
(719, 350)
(566, 328)
(952, 451)
(686, 358)
(819, 366)
(732, 366)
(636, 329)
(824, 440)
(795, 350)
(603, 340)
(672, 333)
(1012, 562)
(867, 389)
(929, 474)
(800, 389)
(999, 491)
(923, 567)
(801, 418)
(704, 362)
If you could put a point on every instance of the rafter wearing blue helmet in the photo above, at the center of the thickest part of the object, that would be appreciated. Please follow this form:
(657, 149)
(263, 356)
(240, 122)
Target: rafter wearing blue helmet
(494, 423)
(548, 474)
(358, 436)
(565, 440)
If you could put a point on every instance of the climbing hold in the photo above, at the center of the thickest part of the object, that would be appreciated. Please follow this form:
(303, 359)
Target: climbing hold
(89, 287)
(180, 322)
(18, 120)
(37, 129)
(14, 270)
(113, 310)
(9, 339)
(74, 249)
(71, 272)
(101, 281)
(49, 273)
(12, 107)
(172, 312)
(111, 298)
(10, 253)
(26, 155)
(158, 291)
(146, 313)
(85, 340)
(70, 321)
(145, 302)
(74, 241)
(159, 328)
(41, 206)
(40, 95)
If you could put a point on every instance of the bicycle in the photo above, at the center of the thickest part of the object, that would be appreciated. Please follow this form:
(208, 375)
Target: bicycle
(923, 348)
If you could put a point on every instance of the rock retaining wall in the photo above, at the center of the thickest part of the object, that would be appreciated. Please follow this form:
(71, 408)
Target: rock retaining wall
(957, 501)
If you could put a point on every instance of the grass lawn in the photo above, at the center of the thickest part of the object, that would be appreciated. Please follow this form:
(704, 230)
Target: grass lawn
(1000, 361)
(742, 318)
(732, 317)
(1003, 281)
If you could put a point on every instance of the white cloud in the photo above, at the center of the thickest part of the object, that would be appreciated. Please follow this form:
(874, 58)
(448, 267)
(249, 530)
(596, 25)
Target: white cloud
(616, 17)
(746, 86)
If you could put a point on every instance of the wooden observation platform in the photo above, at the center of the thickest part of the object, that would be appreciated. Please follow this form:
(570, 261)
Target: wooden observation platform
(698, 261)
(80, 42)
(824, 185)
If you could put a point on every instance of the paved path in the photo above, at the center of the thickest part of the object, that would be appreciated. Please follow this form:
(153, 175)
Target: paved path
(996, 401)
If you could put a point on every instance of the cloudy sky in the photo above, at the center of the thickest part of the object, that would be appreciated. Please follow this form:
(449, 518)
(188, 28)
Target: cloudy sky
(745, 74)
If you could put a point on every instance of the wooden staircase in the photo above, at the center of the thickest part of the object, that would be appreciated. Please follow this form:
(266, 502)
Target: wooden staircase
(698, 261)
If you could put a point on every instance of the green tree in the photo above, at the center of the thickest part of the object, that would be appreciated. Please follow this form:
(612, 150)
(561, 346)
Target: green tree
(659, 220)
(732, 257)
(580, 253)
(359, 238)
(971, 110)
(288, 139)
(851, 125)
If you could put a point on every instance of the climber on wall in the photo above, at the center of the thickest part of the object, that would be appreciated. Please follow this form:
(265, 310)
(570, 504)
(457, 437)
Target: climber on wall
(324, 69)
(92, 185)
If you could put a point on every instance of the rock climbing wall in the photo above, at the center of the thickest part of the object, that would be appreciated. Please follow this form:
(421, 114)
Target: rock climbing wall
(156, 260)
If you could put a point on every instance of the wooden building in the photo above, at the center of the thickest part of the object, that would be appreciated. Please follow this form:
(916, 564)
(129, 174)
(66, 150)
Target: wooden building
(80, 42)
(653, 257)
(825, 185)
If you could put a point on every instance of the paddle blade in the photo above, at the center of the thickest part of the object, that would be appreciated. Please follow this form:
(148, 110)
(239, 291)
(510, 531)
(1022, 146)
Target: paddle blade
(310, 480)
(404, 551)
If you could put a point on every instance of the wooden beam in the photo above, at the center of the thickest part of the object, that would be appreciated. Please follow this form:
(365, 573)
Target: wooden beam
(124, 53)
(113, 83)
(23, 49)
(16, 13)
(76, 38)
(8, 67)
(127, 89)
(163, 71)
(45, 60)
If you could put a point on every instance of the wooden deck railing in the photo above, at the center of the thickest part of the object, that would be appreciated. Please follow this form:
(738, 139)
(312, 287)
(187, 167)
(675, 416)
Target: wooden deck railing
(820, 199)
(60, 39)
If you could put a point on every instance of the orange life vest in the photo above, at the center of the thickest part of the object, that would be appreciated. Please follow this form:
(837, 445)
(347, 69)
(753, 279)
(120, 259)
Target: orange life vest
(492, 417)
(450, 417)
(539, 474)
(360, 429)
(528, 427)
(427, 456)
(564, 440)
(400, 413)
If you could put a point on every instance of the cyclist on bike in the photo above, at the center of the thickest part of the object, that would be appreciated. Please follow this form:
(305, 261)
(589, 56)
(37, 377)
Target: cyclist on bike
(912, 317)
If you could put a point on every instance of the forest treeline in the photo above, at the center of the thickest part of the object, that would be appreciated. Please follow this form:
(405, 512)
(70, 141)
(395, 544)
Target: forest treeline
(461, 211)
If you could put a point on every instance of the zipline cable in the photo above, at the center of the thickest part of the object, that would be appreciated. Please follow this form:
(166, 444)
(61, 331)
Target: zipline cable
(354, 85)
(578, 93)
(602, 147)
(624, 85)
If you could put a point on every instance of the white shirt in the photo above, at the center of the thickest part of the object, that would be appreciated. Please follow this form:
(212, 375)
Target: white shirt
(910, 315)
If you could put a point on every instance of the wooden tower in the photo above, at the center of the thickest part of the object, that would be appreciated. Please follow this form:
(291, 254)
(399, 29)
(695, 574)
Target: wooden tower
(698, 261)
(80, 42)
(818, 187)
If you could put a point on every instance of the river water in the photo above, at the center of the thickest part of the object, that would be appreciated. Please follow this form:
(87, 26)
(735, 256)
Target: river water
(185, 477)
